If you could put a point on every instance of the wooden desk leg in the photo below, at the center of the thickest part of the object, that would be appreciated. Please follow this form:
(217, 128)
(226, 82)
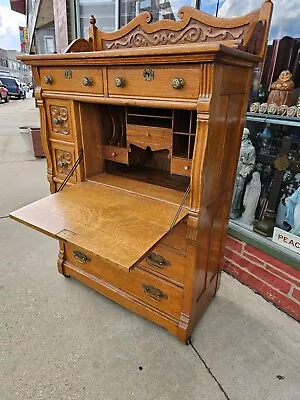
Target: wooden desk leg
(61, 259)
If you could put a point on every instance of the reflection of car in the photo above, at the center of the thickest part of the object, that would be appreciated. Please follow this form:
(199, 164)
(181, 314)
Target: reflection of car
(14, 87)
(3, 93)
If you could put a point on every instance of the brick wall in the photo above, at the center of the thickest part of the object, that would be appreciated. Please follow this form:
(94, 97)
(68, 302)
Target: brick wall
(275, 281)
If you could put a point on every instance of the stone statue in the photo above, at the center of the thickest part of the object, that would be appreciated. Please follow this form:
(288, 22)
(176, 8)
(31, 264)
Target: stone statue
(293, 211)
(282, 90)
(251, 198)
(244, 170)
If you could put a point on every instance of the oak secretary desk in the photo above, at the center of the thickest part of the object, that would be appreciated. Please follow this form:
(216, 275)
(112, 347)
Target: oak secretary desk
(141, 128)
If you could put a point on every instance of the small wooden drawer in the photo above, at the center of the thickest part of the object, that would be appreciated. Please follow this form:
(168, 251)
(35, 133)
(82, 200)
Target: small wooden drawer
(177, 237)
(149, 288)
(63, 160)
(181, 166)
(149, 136)
(59, 116)
(114, 153)
(72, 79)
(170, 81)
(166, 261)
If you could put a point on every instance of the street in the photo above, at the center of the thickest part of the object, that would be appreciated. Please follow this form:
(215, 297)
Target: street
(61, 340)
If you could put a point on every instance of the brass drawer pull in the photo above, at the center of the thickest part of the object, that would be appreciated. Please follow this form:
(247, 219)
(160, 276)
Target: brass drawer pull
(154, 293)
(81, 257)
(178, 83)
(157, 260)
(87, 81)
(63, 163)
(48, 80)
(57, 120)
(120, 82)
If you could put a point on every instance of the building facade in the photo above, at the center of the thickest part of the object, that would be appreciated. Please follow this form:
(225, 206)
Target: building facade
(10, 66)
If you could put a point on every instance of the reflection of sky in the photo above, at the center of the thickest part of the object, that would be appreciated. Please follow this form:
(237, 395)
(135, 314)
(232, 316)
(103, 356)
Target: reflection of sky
(210, 6)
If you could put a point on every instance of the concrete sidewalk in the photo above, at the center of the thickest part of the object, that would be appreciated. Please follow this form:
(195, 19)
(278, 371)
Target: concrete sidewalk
(61, 340)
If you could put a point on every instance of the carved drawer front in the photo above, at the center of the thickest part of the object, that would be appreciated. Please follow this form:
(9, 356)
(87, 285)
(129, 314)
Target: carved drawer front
(181, 166)
(59, 117)
(72, 79)
(165, 261)
(63, 161)
(180, 81)
(149, 136)
(143, 285)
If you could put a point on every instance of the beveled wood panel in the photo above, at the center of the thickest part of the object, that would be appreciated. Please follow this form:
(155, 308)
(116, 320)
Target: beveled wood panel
(59, 118)
(75, 81)
(165, 261)
(63, 156)
(135, 282)
(160, 86)
(181, 166)
(149, 136)
(115, 225)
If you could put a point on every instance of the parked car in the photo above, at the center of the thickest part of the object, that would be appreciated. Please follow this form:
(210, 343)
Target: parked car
(3, 93)
(14, 87)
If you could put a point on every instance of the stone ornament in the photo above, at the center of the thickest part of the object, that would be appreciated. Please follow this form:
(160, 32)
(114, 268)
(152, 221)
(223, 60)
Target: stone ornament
(293, 212)
(272, 108)
(263, 108)
(292, 111)
(254, 107)
(244, 169)
(282, 110)
(282, 90)
(251, 198)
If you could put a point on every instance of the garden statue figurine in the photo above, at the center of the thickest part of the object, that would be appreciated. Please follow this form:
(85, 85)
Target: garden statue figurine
(244, 169)
(251, 198)
(282, 90)
(293, 211)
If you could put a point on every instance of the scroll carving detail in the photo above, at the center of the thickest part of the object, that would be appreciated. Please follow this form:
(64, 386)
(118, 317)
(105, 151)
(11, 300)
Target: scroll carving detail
(194, 32)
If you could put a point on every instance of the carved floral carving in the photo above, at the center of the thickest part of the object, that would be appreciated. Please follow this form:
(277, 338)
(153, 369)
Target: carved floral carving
(63, 161)
(59, 120)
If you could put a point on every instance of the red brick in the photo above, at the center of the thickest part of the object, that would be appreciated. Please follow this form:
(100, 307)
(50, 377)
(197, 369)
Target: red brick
(253, 259)
(296, 294)
(283, 275)
(273, 261)
(266, 276)
(280, 300)
(234, 244)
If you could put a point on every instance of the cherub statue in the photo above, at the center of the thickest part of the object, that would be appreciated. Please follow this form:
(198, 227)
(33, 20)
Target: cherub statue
(251, 198)
(293, 211)
(244, 169)
(282, 90)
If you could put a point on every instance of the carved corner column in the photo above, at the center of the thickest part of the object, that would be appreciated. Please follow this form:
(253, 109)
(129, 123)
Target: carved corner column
(44, 131)
(194, 279)
(61, 259)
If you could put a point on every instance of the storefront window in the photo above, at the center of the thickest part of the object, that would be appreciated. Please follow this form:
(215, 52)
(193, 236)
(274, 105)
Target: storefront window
(160, 9)
(104, 11)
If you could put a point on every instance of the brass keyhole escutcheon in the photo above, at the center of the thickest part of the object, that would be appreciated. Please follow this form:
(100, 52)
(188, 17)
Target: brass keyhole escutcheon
(68, 74)
(148, 74)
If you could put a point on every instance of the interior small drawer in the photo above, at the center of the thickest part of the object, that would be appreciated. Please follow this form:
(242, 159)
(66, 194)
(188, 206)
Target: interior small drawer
(168, 81)
(143, 285)
(115, 153)
(72, 79)
(165, 261)
(149, 136)
(63, 160)
(181, 166)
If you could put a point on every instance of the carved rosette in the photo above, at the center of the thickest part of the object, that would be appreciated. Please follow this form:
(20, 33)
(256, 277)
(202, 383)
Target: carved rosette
(59, 120)
(63, 161)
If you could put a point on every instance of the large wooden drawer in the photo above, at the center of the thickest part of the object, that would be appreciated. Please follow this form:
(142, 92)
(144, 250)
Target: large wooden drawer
(139, 283)
(138, 81)
(166, 261)
(72, 79)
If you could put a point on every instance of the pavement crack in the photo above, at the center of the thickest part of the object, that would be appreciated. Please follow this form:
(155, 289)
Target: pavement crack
(4, 216)
(208, 369)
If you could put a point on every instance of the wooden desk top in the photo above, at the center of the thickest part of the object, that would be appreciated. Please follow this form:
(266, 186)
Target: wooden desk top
(114, 224)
